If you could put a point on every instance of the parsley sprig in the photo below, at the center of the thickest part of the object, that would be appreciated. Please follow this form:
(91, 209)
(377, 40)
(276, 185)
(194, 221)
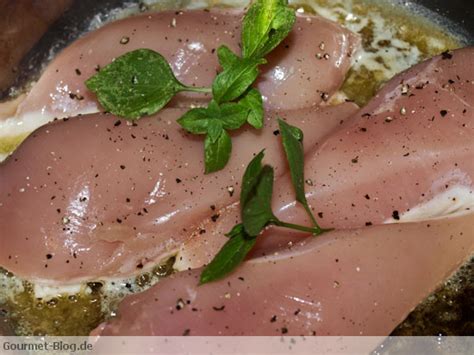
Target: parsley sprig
(256, 210)
(141, 83)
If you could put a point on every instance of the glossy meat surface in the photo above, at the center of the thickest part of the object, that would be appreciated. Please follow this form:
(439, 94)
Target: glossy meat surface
(357, 282)
(381, 165)
(293, 78)
(347, 282)
(411, 143)
(93, 196)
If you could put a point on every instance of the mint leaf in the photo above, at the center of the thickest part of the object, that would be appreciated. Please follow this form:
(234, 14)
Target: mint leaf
(226, 57)
(200, 120)
(292, 138)
(235, 79)
(255, 201)
(254, 103)
(213, 121)
(229, 257)
(265, 25)
(141, 82)
(214, 130)
(195, 121)
(251, 177)
(235, 231)
(257, 211)
(233, 116)
(137, 83)
(217, 153)
(256, 196)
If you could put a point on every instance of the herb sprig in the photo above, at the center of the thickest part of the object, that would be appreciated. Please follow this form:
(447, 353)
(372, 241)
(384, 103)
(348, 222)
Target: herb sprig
(141, 83)
(255, 203)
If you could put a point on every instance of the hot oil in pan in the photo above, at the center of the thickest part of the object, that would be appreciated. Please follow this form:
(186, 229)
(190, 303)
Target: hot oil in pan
(392, 40)
(40, 310)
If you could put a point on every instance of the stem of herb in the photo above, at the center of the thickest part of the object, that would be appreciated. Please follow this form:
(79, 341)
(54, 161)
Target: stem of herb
(198, 89)
(312, 230)
(313, 220)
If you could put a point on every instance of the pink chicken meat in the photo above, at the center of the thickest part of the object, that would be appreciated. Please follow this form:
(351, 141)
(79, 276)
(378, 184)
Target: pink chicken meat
(349, 282)
(410, 144)
(360, 282)
(293, 78)
(107, 244)
(105, 198)
(381, 166)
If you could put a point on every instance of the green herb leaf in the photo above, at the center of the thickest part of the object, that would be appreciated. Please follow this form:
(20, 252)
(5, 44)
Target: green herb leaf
(232, 115)
(213, 121)
(255, 201)
(200, 120)
(251, 177)
(292, 138)
(227, 58)
(229, 257)
(235, 79)
(257, 211)
(235, 231)
(137, 83)
(195, 121)
(265, 25)
(254, 103)
(214, 130)
(217, 153)
(141, 82)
